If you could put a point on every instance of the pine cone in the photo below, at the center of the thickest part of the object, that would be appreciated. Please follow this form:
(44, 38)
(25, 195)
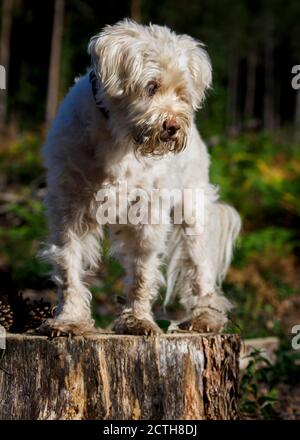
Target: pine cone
(6, 315)
(39, 312)
(19, 315)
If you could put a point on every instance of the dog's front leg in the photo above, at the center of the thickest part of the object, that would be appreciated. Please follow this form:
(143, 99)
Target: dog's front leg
(69, 258)
(142, 247)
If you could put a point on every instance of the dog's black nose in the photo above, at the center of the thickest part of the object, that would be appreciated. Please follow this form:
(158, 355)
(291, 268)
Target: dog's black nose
(171, 126)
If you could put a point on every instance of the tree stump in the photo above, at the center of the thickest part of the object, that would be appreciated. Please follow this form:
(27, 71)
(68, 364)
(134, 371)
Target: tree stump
(180, 376)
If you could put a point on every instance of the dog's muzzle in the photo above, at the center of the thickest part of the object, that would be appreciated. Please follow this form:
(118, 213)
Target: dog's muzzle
(169, 130)
(171, 138)
(167, 134)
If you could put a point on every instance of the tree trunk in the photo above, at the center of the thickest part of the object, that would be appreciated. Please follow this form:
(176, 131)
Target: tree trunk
(250, 86)
(136, 13)
(269, 94)
(54, 66)
(120, 377)
(297, 117)
(233, 82)
(7, 7)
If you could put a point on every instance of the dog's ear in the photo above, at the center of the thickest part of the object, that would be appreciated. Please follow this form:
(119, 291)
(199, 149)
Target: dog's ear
(199, 68)
(114, 59)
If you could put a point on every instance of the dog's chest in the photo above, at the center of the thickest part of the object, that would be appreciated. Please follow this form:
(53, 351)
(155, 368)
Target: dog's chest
(144, 173)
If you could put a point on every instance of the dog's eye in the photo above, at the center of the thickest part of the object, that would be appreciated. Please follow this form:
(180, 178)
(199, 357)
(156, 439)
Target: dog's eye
(152, 88)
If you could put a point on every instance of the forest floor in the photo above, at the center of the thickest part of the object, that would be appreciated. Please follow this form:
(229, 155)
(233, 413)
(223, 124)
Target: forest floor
(288, 406)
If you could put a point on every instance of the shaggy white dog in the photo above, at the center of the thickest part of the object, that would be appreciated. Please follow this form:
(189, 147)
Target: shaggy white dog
(131, 119)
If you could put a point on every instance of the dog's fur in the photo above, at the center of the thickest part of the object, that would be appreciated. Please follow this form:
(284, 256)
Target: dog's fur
(148, 76)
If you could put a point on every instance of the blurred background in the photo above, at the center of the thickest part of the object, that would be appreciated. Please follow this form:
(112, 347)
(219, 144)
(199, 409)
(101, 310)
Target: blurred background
(250, 121)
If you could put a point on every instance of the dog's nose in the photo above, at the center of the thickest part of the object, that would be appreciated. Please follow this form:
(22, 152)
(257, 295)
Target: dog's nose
(171, 126)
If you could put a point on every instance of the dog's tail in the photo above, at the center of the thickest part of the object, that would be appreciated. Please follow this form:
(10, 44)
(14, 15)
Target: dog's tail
(225, 225)
(223, 228)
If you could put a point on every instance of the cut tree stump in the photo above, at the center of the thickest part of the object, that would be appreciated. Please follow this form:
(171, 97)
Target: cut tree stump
(115, 377)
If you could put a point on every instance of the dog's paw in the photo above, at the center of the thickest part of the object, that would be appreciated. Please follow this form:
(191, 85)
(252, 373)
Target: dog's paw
(205, 321)
(128, 324)
(61, 327)
(209, 316)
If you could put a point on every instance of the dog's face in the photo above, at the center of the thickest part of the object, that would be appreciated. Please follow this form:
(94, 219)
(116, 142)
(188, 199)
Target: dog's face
(153, 80)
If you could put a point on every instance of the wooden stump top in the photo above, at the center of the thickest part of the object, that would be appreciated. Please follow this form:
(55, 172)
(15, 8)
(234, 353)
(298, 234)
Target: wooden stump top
(107, 376)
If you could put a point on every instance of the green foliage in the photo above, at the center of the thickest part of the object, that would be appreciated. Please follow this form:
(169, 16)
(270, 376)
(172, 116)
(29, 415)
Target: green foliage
(257, 397)
(270, 239)
(163, 324)
(20, 244)
(259, 174)
(20, 161)
(259, 393)
(22, 219)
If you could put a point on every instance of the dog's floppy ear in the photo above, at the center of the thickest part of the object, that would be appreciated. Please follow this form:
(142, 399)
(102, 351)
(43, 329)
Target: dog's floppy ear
(199, 68)
(113, 57)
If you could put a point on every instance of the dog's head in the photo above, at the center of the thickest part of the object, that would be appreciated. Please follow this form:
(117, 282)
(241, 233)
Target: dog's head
(153, 80)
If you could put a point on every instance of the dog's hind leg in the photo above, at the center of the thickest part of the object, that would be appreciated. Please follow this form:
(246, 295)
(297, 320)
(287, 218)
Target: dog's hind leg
(205, 260)
(139, 250)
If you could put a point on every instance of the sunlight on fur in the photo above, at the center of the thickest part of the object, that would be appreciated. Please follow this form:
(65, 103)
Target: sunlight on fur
(135, 123)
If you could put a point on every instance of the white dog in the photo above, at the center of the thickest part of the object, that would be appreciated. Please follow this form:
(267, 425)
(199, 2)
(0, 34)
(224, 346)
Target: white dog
(131, 119)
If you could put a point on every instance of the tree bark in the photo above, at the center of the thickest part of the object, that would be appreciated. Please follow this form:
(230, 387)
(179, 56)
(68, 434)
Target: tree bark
(136, 13)
(233, 83)
(54, 66)
(120, 377)
(5, 55)
(269, 94)
(250, 86)
(297, 117)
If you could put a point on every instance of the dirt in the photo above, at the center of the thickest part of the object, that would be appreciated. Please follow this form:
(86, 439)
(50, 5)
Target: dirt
(288, 407)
